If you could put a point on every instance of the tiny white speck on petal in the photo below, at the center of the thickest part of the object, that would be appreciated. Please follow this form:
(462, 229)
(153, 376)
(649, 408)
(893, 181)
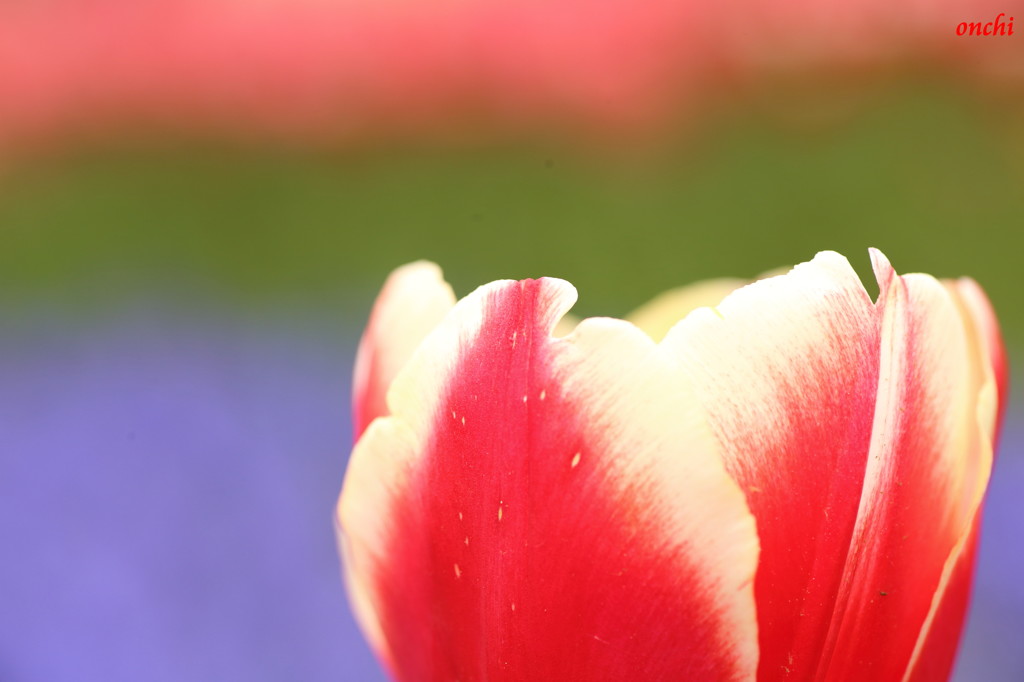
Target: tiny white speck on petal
(463, 421)
(525, 398)
(513, 606)
(575, 460)
(514, 335)
(467, 541)
(499, 512)
(543, 393)
(460, 516)
(453, 414)
(458, 571)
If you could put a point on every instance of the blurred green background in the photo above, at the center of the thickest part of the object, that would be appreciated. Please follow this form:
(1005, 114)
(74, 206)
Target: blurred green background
(929, 175)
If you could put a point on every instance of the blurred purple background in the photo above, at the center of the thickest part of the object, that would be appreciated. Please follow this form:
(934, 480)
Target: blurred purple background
(167, 484)
(166, 497)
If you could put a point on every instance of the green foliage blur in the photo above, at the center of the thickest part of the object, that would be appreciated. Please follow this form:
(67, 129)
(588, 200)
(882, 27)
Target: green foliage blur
(924, 174)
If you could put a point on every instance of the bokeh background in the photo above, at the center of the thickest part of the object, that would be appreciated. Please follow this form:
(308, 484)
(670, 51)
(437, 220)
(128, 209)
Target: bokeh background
(199, 200)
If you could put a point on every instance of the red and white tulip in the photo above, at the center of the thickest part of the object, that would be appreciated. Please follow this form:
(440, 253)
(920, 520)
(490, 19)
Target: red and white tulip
(787, 486)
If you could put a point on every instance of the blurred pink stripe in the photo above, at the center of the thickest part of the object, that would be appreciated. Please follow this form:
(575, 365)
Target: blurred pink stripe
(341, 69)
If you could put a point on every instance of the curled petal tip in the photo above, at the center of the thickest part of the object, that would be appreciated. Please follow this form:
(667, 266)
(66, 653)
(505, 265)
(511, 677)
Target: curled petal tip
(884, 272)
(412, 302)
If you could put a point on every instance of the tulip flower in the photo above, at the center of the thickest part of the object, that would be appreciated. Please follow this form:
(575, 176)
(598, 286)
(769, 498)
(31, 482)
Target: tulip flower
(785, 486)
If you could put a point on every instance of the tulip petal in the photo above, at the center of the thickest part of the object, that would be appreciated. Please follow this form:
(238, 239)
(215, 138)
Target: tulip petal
(927, 471)
(977, 307)
(540, 508)
(659, 314)
(926, 474)
(787, 370)
(861, 435)
(413, 301)
(937, 645)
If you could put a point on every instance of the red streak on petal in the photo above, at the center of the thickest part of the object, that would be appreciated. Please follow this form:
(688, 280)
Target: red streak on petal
(516, 556)
(789, 377)
(806, 499)
(938, 654)
(926, 457)
(853, 429)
